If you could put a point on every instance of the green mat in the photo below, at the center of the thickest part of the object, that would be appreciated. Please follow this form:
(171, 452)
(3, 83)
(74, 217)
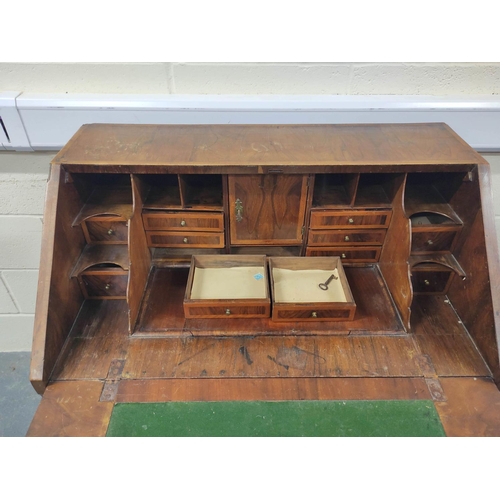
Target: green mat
(281, 418)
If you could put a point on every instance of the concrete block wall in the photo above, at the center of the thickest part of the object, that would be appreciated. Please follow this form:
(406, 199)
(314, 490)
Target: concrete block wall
(255, 78)
(23, 176)
(23, 180)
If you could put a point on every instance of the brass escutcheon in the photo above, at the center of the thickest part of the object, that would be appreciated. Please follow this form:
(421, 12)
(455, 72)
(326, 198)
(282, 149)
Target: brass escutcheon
(238, 207)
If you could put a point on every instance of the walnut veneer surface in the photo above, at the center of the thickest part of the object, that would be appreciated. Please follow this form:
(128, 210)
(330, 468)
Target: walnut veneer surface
(407, 207)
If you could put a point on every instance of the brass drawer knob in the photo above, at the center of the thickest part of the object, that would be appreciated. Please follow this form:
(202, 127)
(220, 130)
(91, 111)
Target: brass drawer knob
(346, 238)
(314, 314)
(183, 223)
(107, 286)
(351, 221)
(343, 256)
(228, 312)
(427, 282)
(110, 232)
(185, 240)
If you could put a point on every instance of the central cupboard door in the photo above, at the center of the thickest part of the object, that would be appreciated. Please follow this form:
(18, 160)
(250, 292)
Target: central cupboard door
(267, 209)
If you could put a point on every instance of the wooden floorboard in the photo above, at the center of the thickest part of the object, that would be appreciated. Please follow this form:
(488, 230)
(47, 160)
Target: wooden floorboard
(453, 355)
(472, 407)
(356, 356)
(265, 389)
(434, 315)
(71, 409)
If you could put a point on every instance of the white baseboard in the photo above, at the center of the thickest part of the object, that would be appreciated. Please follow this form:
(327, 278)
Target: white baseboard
(47, 121)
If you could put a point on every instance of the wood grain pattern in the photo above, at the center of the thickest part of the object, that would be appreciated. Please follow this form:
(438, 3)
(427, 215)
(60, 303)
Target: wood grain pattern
(432, 316)
(312, 311)
(334, 356)
(186, 239)
(375, 313)
(139, 254)
(433, 240)
(273, 145)
(422, 196)
(107, 200)
(441, 259)
(61, 247)
(347, 254)
(95, 254)
(472, 407)
(453, 355)
(478, 255)
(275, 389)
(71, 409)
(272, 209)
(335, 190)
(106, 230)
(104, 283)
(346, 237)
(395, 254)
(99, 335)
(346, 219)
(440, 334)
(227, 307)
(183, 221)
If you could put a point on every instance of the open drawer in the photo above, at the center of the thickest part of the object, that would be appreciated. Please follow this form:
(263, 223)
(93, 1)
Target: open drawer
(297, 295)
(227, 286)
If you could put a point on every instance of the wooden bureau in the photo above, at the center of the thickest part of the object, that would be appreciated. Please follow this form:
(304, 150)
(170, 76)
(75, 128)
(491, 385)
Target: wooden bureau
(405, 207)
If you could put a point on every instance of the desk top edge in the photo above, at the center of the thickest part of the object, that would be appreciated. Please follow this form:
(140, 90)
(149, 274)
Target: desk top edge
(267, 145)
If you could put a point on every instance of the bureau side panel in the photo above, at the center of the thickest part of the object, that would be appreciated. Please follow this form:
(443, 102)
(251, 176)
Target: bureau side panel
(477, 298)
(59, 298)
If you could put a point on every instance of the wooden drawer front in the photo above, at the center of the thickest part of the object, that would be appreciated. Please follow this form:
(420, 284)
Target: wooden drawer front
(331, 219)
(185, 239)
(194, 221)
(106, 230)
(346, 238)
(433, 241)
(359, 254)
(433, 282)
(104, 284)
(227, 311)
(312, 313)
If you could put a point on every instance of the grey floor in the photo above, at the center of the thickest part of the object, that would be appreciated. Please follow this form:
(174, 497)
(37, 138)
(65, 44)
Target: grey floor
(18, 399)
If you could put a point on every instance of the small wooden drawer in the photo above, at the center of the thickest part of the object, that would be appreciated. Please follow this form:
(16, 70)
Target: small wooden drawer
(296, 293)
(349, 255)
(227, 286)
(173, 239)
(183, 221)
(431, 279)
(106, 230)
(104, 283)
(426, 240)
(346, 238)
(337, 219)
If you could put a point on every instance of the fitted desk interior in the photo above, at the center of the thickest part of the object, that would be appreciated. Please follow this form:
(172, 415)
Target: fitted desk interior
(404, 208)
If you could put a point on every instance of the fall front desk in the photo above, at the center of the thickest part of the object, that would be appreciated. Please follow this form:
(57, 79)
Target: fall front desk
(228, 230)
